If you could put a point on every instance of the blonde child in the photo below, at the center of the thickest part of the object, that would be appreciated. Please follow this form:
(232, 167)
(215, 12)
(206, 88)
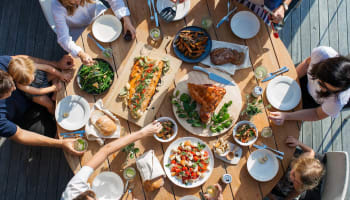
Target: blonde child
(304, 173)
(34, 80)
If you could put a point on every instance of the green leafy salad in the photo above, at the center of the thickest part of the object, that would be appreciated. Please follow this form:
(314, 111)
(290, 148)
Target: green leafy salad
(97, 78)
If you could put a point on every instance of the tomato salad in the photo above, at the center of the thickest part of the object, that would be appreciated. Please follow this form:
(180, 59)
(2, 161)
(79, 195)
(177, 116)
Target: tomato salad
(189, 161)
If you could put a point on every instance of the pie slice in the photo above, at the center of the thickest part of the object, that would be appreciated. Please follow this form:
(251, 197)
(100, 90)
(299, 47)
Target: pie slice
(209, 96)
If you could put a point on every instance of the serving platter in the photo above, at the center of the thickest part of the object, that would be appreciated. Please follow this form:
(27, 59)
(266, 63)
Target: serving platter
(233, 94)
(116, 105)
(167, 160)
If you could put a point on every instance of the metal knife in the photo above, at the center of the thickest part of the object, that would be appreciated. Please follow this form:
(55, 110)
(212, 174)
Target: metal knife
(214, 76)
(260, 147)
(75, 132)
(225, 18)
(273, 76)
(155, 13)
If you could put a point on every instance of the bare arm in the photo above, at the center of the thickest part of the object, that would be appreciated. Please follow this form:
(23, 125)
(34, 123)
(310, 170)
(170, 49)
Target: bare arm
(293, 142)
(117, 144)
(34, 139)
(36, 91)
(303, 67)
(312, 114)
(49, 69)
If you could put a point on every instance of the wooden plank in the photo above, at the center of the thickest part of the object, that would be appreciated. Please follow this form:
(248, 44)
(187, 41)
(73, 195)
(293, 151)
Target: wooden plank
(305, 30)
(286, 34)
(324, 35)
(345, 114)
(336, 134)
(296, 53)
(314, 23)
(327, 134)
(5, 22)
(333, 24)
(342, 28)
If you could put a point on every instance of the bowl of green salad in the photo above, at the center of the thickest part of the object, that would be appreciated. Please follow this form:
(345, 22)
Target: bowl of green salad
(96, 79)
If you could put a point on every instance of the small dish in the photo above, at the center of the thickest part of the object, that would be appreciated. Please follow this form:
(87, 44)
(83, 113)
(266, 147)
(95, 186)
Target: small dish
(245, 24)
(251, 125)
(221, 147)
(107, 28)
(236, 150)
(164, 119)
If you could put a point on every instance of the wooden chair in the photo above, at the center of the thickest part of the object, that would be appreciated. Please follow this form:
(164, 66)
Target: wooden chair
(335, 183)
(46, 7)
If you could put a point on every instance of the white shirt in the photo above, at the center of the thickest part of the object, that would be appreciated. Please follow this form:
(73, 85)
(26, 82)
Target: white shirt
(78, 184)
(82, 17)
(332, 104)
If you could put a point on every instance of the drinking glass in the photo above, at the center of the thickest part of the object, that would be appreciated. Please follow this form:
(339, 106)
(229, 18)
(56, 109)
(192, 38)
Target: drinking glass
(207, 22)
(260, 72)
(266, 132)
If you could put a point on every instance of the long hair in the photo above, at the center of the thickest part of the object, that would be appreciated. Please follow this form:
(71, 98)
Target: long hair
(22, 70)
(334, 71)
(6, 83)
(311, 171)
(71, 7)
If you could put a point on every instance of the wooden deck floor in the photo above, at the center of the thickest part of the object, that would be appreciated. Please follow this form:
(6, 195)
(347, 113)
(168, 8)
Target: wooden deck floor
(42, 173)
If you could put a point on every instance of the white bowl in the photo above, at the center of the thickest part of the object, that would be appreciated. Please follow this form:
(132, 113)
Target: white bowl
(162, 119)
(235, 131)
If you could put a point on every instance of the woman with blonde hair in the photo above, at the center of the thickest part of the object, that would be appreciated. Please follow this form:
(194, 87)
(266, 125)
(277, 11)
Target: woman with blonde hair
(34, 80)
(304, 173)
(73, 16)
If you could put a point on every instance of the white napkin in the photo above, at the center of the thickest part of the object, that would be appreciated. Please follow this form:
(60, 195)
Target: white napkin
(149, 166)
(92, 134)
(229, 67)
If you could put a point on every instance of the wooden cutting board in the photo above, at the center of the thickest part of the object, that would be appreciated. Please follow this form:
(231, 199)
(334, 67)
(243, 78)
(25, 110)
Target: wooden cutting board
(233, 94)
(116, 105)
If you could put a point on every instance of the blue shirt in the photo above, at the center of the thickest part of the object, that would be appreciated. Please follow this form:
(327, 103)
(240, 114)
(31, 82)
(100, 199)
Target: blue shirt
(272, 4)
(13, 108)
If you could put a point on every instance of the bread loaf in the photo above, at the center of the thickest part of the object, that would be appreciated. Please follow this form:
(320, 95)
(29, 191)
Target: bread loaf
(151, 185)
(104, 124)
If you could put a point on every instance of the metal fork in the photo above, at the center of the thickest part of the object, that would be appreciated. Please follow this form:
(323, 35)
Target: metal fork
(274, 150)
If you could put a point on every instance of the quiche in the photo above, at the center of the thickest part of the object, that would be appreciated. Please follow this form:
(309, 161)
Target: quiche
(209, 96)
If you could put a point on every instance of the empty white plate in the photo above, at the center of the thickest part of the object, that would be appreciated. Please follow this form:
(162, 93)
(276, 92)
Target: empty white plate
(262, 171)
(283, 93)
(245, 24)
(108, 186)
(181, 10)
(107, 28)
(72, 112)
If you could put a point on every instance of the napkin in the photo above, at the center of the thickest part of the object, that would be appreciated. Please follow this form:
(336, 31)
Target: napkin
(92, 133)
(149, 166)
(229, 67)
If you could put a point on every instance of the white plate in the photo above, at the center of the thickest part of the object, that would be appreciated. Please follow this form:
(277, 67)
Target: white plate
(262, 172)
(236, 159)
(189, 197)
(181, 11)
(245, 24)
(178, 182)
(107, 28)
(108, 186)
(78, 110)
(283, 93)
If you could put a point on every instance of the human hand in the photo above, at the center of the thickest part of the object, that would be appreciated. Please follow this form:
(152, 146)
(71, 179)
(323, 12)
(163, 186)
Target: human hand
(68, 145)
(219, 195)
(278, 15)
(127, 25)
(151, 128)
(58, 85)
(277, 118)
(66, 62)
(85, 58)
(292, 141)
(66, 76)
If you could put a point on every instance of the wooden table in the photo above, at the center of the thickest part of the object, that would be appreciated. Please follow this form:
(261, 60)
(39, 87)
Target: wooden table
(264, 50)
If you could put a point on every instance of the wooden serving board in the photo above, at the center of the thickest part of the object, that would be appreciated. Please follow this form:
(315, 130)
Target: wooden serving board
(233, 94)
(116, 105)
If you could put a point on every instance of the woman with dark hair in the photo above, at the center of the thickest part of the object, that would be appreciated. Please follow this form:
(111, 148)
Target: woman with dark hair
(325, 83)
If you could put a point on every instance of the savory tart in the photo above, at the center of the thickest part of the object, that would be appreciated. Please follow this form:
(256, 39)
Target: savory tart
(209, 96)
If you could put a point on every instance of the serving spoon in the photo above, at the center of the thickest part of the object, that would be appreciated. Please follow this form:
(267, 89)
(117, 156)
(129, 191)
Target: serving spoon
(105, 51)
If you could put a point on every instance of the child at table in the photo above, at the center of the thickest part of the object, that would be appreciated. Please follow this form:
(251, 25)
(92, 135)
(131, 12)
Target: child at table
(34, 80)
(71, 17)
(78, 187)
(304, 173)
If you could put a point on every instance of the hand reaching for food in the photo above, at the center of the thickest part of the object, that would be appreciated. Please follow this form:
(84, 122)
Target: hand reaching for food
(152, 128)
(85, 58)
(66, 76)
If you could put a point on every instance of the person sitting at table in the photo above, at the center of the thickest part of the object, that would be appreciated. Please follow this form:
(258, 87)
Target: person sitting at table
(78, 187)
(304, 173)
(280, 8)
(34, 81)
(71, 17)
(20, 120)
(325, 84)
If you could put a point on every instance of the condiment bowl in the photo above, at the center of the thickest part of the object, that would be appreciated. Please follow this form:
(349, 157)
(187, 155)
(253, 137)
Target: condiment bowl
(235, 132)
(162, 119)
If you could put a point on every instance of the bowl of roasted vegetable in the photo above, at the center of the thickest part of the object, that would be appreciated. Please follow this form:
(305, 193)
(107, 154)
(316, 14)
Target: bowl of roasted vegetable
(192, 44)
(245, 133)
(95, 79)
(169, 130)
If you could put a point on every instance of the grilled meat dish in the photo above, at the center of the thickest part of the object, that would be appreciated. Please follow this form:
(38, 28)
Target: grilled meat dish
(220, 56)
